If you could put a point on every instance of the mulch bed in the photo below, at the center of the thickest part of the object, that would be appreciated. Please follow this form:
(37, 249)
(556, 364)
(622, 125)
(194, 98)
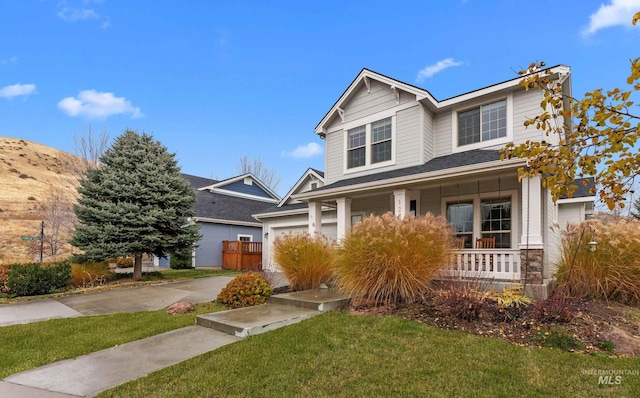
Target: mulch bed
(592, 322)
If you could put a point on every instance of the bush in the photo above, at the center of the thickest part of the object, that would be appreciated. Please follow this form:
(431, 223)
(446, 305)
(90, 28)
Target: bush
(90, 274)
(557, 308)
(4, 276)
(386, 259)
(245, 290)
(465, 302)
(124, 262)
(612, 271)
(181, 259)
(35, 279)
(307, 261)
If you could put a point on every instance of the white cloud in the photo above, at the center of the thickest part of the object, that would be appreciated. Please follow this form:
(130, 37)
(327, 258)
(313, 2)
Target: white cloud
(94, 104)
(435, 68)
(11, 60)
(618, 12)
(106, 24)
(17, 90)
(70, 14)
(305, 151)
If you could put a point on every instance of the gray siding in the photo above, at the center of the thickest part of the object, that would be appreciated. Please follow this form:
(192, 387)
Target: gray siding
(334, 143)
(430, 201)
(428, 140)
(209, 250)
(363, 103)
(442, 127)
(407, 145)
(377, 205)
(526, 104)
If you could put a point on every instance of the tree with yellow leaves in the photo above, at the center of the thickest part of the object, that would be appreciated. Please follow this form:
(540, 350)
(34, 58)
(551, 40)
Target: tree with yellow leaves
(598, 136)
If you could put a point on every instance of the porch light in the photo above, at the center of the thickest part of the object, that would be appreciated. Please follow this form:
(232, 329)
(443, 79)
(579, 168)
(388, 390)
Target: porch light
(592, 245)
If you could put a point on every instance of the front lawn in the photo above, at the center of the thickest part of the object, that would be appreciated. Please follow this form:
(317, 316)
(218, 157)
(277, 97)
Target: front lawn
(342, 355)
(32, 345)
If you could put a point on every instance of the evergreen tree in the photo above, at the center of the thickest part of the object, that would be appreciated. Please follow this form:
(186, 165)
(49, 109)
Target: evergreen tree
(136, 202)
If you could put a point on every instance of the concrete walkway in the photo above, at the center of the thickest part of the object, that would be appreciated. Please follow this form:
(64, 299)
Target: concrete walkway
(90, 374)
(143, 298)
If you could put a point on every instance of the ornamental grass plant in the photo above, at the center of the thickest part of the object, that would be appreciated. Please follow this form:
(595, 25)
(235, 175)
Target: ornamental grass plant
(610, 270)
(307, 261)
(386, 259)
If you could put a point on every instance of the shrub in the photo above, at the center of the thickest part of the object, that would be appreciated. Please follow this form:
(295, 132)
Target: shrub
(181, 259)
(556, 308)
(35, 279)
(465, 303)
(245, 290)
(124, 262)
(307, 261)
(610, 272)
(90, 274)
(4, 276)
(386, 259)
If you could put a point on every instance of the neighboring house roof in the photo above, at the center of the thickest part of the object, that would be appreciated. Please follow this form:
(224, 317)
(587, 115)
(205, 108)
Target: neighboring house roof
(218, 207)
(582, 193)
(198, 182)
(238, 186)
(421, 94)
(276, 211)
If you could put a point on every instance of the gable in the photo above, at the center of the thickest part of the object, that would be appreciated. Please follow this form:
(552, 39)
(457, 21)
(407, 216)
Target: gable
(310, 180)
(246, 185)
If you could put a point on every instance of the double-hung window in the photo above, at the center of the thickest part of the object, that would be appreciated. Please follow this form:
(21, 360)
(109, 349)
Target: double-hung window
(483, 123)
(496, 220)
(370, 144)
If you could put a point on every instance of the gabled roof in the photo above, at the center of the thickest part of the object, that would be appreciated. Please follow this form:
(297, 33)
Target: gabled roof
(230, 187)
(307, 175)
(196, 182)
(221, 208)
(421, 94)
(467, 162)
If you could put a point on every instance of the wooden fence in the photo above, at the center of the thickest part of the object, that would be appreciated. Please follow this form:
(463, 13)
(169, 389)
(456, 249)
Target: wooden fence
(241, 256)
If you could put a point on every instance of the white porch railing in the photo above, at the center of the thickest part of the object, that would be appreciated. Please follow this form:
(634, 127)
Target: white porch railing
(485, 264)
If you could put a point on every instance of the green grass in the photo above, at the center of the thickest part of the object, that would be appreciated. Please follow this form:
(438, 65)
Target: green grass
(340, 355)
(29, 346)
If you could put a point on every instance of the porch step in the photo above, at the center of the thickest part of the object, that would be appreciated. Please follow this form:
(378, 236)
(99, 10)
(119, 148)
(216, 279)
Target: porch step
(317, 299)
(249, 321)
(282, 310)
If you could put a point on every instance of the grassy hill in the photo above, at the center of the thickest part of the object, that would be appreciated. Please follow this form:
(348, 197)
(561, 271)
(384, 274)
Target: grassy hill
(30, 174)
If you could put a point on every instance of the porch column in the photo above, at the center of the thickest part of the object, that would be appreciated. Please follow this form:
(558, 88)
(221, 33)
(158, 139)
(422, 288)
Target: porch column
(344, 217)
(401, 202)
(315, 218)
(532, 211)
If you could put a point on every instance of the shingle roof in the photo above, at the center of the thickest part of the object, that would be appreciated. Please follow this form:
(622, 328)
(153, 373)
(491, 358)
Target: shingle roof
(582, 191)
(460, 159)
(198, 182)
(276, 209)
(225, 207)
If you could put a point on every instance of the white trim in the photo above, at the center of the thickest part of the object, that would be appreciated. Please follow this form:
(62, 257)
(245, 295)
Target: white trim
(244, 195)
(583, 199)
(301, 180)
(277, 214)
(464, 171)
(227, 222)
(482, 144)
(217, 186)
(368, 145)
(477, 211)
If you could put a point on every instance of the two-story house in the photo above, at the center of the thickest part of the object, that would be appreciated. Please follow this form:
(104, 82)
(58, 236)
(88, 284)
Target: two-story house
(391, 146)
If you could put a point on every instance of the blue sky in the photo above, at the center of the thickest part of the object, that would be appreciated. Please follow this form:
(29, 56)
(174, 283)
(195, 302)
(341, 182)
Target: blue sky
(218, 80)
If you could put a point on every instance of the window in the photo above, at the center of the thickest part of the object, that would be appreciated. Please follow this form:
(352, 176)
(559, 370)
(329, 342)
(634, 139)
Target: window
(356, 218)
(484, 123)
(460, 216)
(357, 147)
(496, 220)
(370, 144)
(381, 141)
(245, 238)
(487, 215)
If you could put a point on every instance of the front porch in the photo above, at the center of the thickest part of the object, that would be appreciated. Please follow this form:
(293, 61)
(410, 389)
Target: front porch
(492, 264)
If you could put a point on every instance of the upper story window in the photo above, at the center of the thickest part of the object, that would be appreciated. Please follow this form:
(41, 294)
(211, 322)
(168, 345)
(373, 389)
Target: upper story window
(483, 123)
(370, 144)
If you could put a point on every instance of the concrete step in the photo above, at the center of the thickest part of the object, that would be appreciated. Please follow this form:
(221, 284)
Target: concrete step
(244, 322)
(317, 299)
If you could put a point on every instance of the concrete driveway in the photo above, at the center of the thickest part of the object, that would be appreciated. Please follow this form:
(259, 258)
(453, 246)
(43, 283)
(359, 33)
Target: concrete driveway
(143, 298)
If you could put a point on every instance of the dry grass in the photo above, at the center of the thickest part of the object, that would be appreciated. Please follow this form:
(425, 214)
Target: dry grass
(27, 170)
(386, 259)
(307, 261)
(612, 271)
